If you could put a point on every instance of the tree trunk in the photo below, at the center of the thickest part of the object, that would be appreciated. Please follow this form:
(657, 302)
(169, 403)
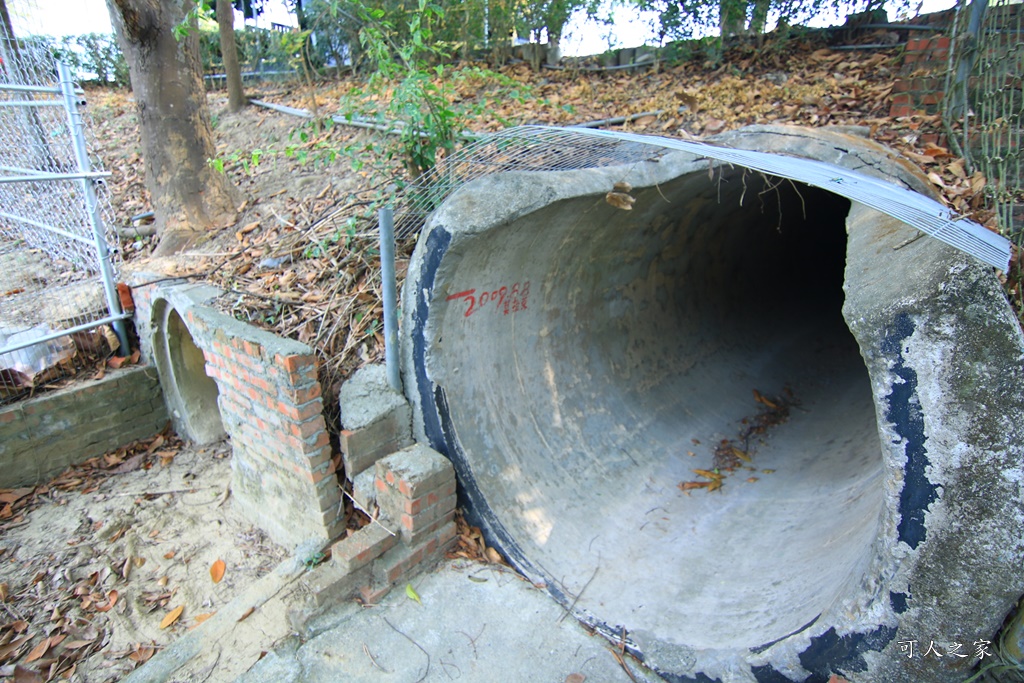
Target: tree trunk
(759, 17)
(229, 53)
(732, 17)
(10, 44)
(189, 197)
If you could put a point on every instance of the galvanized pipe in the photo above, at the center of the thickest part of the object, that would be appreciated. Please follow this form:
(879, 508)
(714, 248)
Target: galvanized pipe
(112, 320)
(11, 87)
(51, 176)
(44, 226)
(33, 103)
(76, 127)
(386, 217)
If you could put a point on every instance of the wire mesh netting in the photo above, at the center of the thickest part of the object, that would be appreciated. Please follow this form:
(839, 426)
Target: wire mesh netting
(986, 101)
(532, 148)
(539, 148)
(55, 274)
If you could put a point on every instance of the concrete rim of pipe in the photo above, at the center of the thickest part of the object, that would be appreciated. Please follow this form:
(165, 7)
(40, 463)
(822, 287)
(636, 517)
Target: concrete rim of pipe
(568, 356)
(190, 394)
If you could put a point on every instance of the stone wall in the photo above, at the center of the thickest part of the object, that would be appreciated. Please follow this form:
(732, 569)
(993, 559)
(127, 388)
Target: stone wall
(41, 436)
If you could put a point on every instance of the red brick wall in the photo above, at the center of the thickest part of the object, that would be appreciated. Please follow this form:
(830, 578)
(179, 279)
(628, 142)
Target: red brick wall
(921, 87)
(284, 475)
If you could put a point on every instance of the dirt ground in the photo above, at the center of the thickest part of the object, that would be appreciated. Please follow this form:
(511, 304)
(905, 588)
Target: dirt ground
(96, 563)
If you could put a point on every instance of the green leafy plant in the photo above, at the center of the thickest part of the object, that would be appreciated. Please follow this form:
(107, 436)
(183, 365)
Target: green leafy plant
(248, 161)
(414, 78)
(311, 562)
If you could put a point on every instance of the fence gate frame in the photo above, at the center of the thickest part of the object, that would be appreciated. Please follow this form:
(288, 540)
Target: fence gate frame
(81, 170)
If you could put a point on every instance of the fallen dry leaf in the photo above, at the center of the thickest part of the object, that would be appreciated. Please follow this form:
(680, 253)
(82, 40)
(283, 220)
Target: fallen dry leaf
(172, 616)
(742, 455)
(13, 495)
(111, 601)
(142, 653)
(11, 650)
(200, 618)
(217, 571)
(620, 200)
(38, 651)
(246, 230)
(23, 675)
(245, 614)
(157, 442)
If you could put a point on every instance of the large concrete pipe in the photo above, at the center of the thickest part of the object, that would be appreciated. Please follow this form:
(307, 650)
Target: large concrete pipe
(578, 362)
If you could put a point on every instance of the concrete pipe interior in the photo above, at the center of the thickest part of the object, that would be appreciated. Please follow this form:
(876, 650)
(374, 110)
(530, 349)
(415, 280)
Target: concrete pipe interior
(190, 393)
(592, 358)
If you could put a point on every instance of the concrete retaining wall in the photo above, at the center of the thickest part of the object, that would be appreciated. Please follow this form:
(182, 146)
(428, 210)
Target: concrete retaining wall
(40, 437)
(224, 377)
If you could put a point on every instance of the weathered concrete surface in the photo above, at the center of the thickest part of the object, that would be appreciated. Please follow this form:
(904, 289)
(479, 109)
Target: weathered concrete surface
(568, 355)
(40, 437)
(375, 419)
(473, 624)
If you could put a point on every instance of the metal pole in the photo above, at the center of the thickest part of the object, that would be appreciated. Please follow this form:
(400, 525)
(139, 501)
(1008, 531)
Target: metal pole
(387, 273)
(77, 130)
(63, 333)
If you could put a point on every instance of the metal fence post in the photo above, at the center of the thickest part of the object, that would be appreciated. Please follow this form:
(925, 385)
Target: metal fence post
(67, 88)
(387, 273)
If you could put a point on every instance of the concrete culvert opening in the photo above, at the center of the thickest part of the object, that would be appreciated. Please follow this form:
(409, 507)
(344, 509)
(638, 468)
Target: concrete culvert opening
(191, 394)
(577, 362)
(643, 339)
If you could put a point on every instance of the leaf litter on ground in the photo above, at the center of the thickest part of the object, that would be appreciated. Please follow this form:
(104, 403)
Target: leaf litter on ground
(93, 559)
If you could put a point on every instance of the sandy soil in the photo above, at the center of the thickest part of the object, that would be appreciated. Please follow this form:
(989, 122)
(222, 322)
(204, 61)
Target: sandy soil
(95, 561)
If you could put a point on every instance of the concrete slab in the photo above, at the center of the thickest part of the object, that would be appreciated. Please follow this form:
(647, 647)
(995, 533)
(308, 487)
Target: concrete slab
(472, 623)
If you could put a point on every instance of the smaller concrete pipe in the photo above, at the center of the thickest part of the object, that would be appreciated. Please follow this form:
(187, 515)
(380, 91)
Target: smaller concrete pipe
(577, 362)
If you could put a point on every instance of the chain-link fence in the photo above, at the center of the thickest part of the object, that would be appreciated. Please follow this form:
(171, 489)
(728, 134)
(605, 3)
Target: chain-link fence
(57, 288)
(984, 103)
